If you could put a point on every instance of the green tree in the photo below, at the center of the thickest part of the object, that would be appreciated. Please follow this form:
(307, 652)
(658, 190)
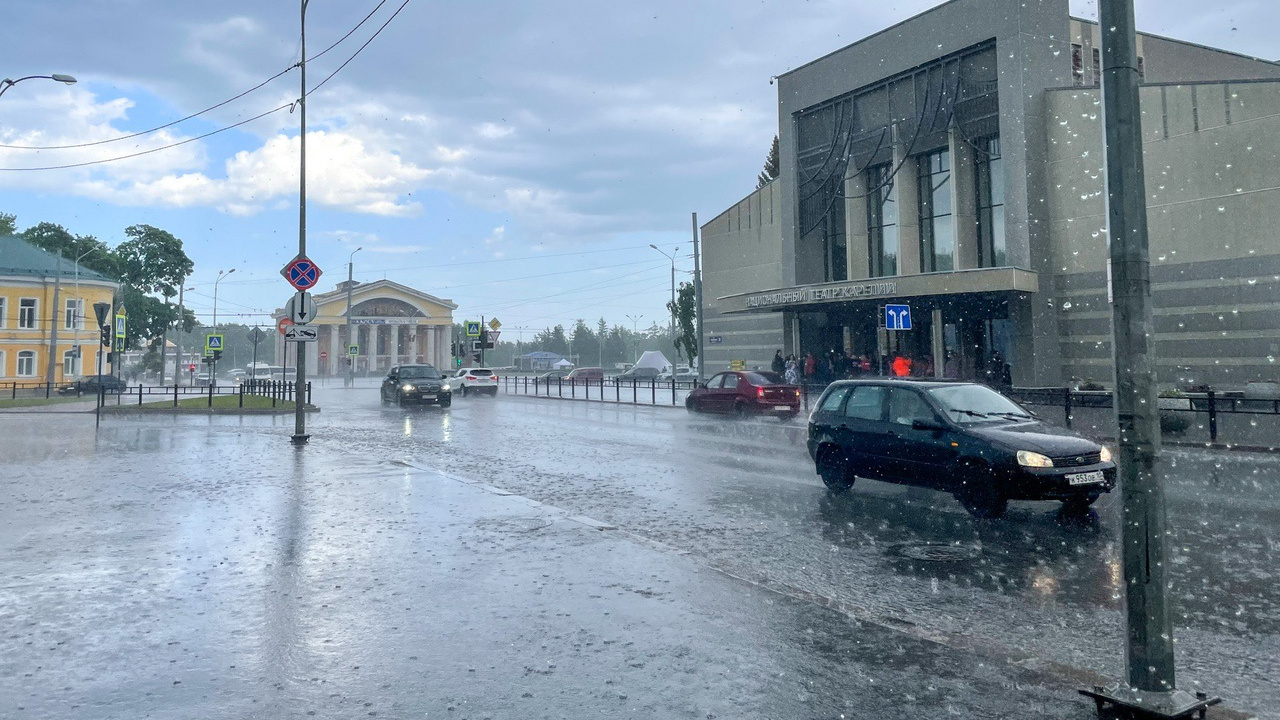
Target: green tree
(92, 252)
(152, 260)
(8, 224)
(552, 340)
(686, 332)
(585, 344)
(771, 169)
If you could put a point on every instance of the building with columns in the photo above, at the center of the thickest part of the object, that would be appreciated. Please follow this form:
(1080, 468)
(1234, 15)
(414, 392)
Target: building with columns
(391, 324)
(953, 164)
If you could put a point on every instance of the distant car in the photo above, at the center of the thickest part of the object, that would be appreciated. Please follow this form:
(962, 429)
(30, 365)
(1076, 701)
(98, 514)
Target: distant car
(644, 374)
(585, 374)
(416, 383)
(746, 393)
(475, 380)
(110, 384)
(553, 375)
(204, 379)
(682, 375)
(961, 438)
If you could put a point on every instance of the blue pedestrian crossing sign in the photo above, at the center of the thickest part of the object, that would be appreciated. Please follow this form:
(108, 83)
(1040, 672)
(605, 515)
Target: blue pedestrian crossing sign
(897, 317)
(212, 342)
(473, 328)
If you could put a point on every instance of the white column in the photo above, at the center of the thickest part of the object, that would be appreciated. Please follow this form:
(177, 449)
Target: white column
(336, 359)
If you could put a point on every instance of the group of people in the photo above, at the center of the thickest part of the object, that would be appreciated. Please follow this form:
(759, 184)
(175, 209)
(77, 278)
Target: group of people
(838, 365)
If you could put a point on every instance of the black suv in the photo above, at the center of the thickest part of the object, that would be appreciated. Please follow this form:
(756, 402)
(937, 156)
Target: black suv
(416, 383)
(962, 438)
(109, 384)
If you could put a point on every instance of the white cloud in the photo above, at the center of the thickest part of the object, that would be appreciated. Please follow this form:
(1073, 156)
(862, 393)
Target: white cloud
(490, 131)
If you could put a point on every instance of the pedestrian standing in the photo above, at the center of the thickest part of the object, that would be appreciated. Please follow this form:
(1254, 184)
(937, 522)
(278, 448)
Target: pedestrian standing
(792, 373)
(810, 365)
(779, 365)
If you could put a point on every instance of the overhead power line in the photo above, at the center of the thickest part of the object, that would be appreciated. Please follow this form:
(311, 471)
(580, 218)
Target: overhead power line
(290, 106)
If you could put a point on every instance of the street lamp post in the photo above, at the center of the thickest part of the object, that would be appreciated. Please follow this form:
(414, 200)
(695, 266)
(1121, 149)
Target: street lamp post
(299, 398)
(351, 362)
(75, 329)
(56, 77)
(672, 258)
(635, 334)
(213, 364)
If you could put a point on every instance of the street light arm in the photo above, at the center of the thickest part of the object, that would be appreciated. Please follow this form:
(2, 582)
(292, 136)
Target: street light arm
(57, 77)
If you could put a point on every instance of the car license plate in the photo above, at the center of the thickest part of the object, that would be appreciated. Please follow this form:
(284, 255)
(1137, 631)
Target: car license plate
(781, 407)
(1085, 478)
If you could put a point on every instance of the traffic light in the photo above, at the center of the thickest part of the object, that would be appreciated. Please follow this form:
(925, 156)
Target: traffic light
(191, 367)
(106, 335)
(475, 357)
(217, 355)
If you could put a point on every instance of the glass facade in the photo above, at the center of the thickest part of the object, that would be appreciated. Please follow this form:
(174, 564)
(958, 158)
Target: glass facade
(937, 231)
(992, 250)
(882, 222)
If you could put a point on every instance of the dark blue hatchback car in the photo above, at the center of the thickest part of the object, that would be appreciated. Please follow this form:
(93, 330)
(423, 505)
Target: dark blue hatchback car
(957, 437)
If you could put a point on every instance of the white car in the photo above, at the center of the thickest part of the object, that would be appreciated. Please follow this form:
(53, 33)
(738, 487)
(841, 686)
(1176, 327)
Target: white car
(474, 380)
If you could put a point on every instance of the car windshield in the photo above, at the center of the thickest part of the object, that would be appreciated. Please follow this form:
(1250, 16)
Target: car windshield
(764, 378)
(967, 404)
(419, 373)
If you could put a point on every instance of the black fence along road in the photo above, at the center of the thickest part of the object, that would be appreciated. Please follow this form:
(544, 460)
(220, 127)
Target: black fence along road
(634, 392)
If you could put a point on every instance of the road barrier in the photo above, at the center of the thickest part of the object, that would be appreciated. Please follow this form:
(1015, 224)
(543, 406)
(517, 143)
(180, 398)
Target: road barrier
(278, 390)
(623, 392)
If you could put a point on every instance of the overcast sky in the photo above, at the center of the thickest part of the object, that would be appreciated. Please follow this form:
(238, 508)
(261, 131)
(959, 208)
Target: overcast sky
(516, 157)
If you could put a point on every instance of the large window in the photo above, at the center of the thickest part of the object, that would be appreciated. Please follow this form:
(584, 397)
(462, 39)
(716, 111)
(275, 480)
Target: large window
(990, 170)
(27, 308)
(74, 316)
(937, 233)
(71, 363)
(27, 363)
(1077, 64)
(4, 312)
(882, 222)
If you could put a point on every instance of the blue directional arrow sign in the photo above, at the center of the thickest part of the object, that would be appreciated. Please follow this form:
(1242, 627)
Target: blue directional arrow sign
(302, 273)
(897, 317)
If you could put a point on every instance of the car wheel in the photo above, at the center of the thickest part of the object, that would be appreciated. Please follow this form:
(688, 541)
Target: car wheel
(739, 410)
(690, 405)
(833, 468)
(399, 399)
(493, 392)
(980, 496)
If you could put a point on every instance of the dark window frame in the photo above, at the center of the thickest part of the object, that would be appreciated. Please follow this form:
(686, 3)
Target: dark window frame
(988, 176)
(881, 193)
(930, 182)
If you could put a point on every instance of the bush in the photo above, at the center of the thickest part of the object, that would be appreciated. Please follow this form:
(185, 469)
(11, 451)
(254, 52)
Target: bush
(1173, 423)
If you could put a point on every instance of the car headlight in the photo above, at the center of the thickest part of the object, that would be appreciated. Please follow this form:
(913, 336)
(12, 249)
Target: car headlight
(1026, 458)
(445, 387)
(1105, 454)
(407, 387)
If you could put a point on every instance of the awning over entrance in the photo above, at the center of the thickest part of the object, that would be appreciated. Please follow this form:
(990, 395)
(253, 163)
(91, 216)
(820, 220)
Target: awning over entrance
(816, 297)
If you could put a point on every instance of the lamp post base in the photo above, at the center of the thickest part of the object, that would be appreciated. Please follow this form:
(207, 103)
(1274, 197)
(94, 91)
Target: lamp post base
(1117, 702)
(302, 440)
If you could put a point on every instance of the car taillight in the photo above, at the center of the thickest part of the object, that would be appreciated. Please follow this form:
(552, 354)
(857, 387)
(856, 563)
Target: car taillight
(760, 392)
(471, 377)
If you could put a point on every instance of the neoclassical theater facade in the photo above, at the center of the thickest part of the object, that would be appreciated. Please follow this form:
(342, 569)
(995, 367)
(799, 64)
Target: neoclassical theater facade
(391, 324)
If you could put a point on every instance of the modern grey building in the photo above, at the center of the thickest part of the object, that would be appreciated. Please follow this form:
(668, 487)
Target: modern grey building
(953, 163)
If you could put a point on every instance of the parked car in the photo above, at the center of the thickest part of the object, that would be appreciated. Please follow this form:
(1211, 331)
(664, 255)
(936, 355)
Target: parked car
(956, 437)
(746, 393)
(416, 383)
(553, 375)
(682, 375)
(642, 374)
(110, 384)
(585, 374)
(475, 380)
(204, 379)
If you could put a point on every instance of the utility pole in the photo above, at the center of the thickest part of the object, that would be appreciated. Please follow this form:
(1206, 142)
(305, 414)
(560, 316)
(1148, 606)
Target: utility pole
(53, 327)
(1150, 690)
(351, 361)
(300, 436)
(697, 294)
(177, 333)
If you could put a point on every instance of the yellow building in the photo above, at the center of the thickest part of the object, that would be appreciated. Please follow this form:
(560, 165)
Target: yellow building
(391, 324)
(46, 311)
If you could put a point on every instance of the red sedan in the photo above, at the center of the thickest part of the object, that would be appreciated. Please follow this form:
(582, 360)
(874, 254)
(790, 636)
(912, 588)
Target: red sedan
(746, 393)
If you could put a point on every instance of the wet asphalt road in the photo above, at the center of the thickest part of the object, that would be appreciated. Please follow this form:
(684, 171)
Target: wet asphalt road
(200, 567)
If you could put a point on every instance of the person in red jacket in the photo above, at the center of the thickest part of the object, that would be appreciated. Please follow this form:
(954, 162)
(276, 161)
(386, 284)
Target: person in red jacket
(901, 366)
(810, 365)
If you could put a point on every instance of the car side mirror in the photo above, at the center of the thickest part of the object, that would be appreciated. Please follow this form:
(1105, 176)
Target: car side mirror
(922, 424)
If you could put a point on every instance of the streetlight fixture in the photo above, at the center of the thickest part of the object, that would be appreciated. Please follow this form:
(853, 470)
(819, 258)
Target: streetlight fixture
(635, 333)
(56, 77)
(213, 364)
(672, 258)
(351, 362)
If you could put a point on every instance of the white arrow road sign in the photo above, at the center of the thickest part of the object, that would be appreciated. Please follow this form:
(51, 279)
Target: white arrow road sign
(301, 308)
(300, 333)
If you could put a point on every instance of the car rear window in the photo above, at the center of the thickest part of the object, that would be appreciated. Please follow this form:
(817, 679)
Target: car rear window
(480, 371)
(764, 378)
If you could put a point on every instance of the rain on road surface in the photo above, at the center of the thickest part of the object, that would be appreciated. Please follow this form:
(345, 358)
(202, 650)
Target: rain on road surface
(202, 564)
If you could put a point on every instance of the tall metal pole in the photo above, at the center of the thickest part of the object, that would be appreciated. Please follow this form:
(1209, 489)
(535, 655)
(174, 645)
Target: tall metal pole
(300, 416)
(177, 333)
(1151, 690)
(53, 326)
(697, 294)
(351, 361)
(213, 362)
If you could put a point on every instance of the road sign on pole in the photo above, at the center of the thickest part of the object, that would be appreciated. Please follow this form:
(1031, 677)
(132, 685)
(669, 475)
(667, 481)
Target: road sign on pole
(494, 324)
(212, 342)
(473, 329)
(282, 324)
(897, 317)
(301, 308)
(302, 273)
(353, 350)
(301, 333)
